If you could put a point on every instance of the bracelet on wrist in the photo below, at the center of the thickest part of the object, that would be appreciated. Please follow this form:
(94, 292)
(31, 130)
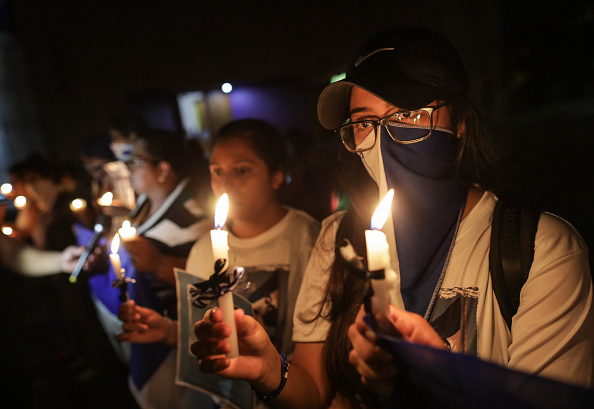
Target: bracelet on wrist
(284, 375)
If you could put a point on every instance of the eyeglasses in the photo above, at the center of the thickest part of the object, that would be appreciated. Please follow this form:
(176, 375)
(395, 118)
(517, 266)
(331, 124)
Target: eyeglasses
(354, 133)
(137, 162)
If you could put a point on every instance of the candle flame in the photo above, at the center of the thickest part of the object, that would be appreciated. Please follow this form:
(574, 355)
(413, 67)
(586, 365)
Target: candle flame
(221, 211)
(20, 201)
(383, 210)
(7, 230)
(115, 243)
(126, 224)
(106, 199)
(6, 188)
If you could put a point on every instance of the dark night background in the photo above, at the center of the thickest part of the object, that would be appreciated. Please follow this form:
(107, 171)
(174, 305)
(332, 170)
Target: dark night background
(68, 67)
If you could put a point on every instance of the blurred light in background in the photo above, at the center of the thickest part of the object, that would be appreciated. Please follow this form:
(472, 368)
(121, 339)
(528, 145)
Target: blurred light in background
(6, 188)
(337, 77)
(20, 202)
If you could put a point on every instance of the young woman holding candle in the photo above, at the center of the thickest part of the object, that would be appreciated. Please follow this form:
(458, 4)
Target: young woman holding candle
(403, 109)
(272, 242)
(168, 176)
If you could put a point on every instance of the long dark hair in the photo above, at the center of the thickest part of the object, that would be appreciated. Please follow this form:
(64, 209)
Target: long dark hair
(478, 160)
(344, 291)
(477, 164)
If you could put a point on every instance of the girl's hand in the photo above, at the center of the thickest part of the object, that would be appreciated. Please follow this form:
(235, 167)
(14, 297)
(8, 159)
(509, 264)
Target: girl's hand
(257, 356)
(375, 365)
(144, 326)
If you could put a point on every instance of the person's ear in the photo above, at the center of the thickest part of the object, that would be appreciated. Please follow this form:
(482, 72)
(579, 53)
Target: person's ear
(278, 178)
(164, 170)
(460, 130)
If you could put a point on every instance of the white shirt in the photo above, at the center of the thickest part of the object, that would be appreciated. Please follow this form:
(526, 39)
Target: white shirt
(552, 334)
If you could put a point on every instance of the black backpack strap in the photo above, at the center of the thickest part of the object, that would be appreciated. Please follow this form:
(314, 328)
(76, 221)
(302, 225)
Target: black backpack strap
(512, 250)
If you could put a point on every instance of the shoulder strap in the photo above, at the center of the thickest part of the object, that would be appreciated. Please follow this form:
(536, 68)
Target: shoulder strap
(512, 251)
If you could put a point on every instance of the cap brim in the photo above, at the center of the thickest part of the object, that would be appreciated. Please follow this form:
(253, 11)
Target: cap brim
(405, 93)
(333, 104)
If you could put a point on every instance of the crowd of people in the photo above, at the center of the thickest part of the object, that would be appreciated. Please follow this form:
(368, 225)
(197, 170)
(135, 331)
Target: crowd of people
(405, 120)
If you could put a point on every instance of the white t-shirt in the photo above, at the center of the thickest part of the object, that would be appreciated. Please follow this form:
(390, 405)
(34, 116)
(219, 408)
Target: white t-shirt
(274, 262)
(552, 334)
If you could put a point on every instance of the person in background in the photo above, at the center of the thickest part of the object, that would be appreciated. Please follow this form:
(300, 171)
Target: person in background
(272, 242)
(94, 154)
(49, 188)
(24, 218)
(123, 130)
(168, 175)
(51, 321)
(404, 111)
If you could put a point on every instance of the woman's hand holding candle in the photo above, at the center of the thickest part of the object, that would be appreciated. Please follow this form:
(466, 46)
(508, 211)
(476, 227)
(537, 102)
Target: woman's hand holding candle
(377, 366)
(259, 360)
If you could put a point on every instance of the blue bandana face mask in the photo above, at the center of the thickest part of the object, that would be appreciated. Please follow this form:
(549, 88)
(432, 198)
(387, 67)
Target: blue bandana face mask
(427, 203)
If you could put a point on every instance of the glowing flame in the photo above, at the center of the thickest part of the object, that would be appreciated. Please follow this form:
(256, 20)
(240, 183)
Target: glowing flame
(383, 210)
(7, 230)
(78, 204)
(221, 211)
(106, 199)
(115, 243)
(127, 232)
(6, 188)
(20, 201)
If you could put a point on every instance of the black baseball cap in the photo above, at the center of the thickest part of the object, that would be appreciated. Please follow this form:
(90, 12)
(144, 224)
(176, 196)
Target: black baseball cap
(408, 67)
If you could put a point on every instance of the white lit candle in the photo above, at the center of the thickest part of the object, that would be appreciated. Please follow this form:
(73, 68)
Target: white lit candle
(127, 232)
(115, 257)
(378, 257)
(106, 199)
(220, 250)
(20, 202)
